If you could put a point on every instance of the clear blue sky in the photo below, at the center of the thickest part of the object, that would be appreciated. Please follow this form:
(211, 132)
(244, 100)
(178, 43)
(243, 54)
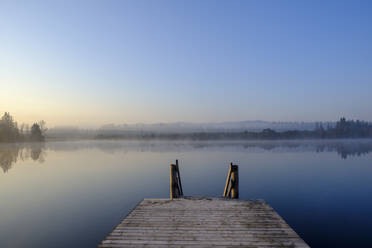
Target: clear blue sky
(90, 62)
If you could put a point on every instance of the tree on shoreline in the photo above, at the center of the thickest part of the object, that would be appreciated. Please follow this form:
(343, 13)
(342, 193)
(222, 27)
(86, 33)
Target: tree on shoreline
(36, 134)
(9, 131)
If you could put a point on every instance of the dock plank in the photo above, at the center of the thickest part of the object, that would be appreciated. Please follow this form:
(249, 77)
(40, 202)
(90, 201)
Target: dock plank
(202, 222)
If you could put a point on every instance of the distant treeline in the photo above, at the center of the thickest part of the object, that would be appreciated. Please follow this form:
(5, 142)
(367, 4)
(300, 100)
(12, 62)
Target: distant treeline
(343, 129)
(10, 132)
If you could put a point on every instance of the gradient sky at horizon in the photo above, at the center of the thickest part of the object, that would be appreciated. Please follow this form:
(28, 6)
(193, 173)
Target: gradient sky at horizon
(89, 63)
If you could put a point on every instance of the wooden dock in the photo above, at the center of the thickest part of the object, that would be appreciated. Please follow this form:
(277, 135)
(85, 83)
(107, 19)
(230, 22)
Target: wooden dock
(202, 222)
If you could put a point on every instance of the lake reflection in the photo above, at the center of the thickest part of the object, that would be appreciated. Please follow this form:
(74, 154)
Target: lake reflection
(61, 194)
(10, 153)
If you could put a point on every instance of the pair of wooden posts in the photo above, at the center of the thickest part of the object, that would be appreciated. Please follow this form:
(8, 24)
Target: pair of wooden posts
(231, 187)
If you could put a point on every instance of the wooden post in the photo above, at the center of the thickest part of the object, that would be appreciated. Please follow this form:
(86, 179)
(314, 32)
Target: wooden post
(227, 184)
(175, 181)
(179, 178)
(172, 172)
(235, 182)
(232, 182)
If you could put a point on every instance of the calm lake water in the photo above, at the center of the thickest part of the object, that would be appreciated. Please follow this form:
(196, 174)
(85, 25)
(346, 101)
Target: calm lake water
(72, 194)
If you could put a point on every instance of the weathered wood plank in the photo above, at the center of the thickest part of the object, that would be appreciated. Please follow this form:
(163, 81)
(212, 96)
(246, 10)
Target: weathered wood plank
(202, 222)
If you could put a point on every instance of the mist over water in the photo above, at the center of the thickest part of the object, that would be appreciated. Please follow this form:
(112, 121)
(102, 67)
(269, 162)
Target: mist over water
(11, 153)
(74, 193)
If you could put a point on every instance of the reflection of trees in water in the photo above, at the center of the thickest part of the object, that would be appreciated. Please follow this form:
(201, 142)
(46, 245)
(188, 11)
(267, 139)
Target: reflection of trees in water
(37, 154)
(10, 154)
(345, 148)
(353, 150)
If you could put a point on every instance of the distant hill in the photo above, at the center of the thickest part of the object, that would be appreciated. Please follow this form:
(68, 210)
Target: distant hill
(239, 126)
(241, 131)
(247, 130)
(73, 132)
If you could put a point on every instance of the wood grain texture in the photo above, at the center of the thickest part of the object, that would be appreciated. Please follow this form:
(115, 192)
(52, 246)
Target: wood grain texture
(232, 182)
(202, 222)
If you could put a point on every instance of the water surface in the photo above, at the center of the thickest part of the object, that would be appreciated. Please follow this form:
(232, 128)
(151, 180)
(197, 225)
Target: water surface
(72, 194)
